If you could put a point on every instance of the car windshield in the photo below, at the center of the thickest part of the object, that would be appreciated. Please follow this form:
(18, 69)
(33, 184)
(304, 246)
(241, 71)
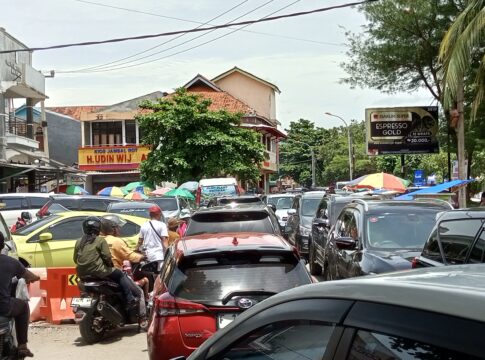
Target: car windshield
(140, 212)
(280, 202)
(27, 229)
(221, 222)
(309, 207)
(166, 204)
(214, 278)
(403, 230)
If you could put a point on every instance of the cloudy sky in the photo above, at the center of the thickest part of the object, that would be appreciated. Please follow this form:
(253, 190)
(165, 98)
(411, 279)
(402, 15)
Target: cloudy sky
(300, 55)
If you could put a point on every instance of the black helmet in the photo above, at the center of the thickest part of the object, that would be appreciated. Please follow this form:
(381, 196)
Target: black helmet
(92, 225)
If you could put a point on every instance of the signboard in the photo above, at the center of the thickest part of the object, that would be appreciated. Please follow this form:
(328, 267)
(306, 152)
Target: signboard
(419, 178)
(402, 130)
(72, 179)
(112, 157)
(454, 172)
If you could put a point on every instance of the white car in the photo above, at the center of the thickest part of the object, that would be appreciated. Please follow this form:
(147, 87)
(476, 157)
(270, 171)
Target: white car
(283, 203)
(16, 203)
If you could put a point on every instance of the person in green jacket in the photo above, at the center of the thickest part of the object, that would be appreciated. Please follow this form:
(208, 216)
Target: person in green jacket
(93, 258)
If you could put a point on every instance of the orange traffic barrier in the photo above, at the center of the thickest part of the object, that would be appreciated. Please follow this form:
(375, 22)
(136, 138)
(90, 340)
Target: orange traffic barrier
(36, 294)
(60, 287)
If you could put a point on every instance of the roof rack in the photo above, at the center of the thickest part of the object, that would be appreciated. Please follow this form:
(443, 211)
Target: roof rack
(436, 201)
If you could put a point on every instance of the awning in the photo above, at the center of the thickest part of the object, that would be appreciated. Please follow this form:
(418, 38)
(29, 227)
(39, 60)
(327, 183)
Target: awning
(266, 129)
(434, 189)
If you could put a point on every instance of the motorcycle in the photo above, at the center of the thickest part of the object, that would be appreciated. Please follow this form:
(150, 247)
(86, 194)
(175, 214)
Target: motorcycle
(101, 307)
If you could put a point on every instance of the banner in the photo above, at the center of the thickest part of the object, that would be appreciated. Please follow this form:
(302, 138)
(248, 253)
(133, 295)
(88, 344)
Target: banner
(402, 130)
(112, 157)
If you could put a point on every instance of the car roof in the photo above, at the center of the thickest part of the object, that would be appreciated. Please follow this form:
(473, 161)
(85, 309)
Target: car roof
(210, 243)
(233, 208)
(64, 196)
(475, 213)
(131, 205)
(457, 290)
(281, 195)
(68, 214)
(43, 195)
(313, 194)
(392, 205)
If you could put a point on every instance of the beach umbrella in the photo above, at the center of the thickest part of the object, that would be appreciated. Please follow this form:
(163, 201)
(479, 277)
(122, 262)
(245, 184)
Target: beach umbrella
(379, 181)
(142, 189)
(135, 195)
(75, 190)
(160, 192)
(181, 192)
(136, 184)
(189, 185)
(112, 191)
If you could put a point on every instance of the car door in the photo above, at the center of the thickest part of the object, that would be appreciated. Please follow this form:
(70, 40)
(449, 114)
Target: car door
(298, 329)
(58, 251)
(348, 265)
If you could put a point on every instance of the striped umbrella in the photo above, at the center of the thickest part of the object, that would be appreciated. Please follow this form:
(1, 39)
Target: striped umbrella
(379, 181)
(112, 191)
(135, 195)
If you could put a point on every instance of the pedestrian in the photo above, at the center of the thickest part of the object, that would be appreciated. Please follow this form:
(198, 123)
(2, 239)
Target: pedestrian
(153, 239)
(482, 199)
(173, 235)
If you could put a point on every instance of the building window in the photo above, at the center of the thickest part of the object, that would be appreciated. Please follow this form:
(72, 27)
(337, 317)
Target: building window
(107, 133)
(130, 132)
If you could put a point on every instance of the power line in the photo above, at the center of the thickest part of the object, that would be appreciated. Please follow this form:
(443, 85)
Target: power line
(206, 23)
(190, 48)
(157, 46)
(170, 33)
(119, 65)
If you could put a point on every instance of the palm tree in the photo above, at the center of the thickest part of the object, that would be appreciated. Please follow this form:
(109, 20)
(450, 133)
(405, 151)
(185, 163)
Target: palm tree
(462, 43)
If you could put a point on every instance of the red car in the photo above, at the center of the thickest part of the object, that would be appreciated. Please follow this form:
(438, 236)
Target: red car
(209, 279)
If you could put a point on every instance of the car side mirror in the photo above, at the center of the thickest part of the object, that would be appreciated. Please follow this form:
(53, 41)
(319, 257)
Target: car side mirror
(44, 237)
(273, 206)
(345, 243)
(291, 212)
(321, 223)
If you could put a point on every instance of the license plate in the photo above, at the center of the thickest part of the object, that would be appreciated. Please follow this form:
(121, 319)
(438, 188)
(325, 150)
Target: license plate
(225, 319)
(82, 302)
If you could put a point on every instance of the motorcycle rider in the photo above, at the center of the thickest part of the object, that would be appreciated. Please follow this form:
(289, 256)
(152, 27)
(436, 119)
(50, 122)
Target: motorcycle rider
(154, 236)
(10, 306)
(93, 258)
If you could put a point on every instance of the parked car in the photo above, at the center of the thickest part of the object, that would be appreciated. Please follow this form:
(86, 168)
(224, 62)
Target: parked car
(62, 203)
(417, 314)
(241, 199)
(378, 236)
(49, 242)
(457, 238)
(172, 206)
(326, 216)
(16, 203)
(282, 203)
(133, 208)
(300, 217)
(208, 280)
(241, 218)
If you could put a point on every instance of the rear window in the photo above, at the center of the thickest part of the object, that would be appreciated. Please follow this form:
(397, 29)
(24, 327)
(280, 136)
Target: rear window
(140, 212)
(167, 204)
(27, 229)
(213, 278)
(457, 237)
(221, 222)
(225, 201)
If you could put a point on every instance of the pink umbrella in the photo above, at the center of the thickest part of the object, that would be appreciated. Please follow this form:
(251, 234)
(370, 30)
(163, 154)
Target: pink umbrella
(159, 192)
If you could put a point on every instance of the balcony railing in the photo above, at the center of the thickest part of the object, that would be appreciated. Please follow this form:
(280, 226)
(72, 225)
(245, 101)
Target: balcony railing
(16, 126)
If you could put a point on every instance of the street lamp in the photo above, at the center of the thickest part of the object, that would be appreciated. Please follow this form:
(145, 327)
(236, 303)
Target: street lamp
(350, 142)
(313, 161)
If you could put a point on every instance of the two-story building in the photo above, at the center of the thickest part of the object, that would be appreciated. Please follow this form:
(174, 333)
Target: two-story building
(24, 155)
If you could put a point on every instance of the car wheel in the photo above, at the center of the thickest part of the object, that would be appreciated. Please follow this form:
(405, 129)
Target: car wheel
(315, 268)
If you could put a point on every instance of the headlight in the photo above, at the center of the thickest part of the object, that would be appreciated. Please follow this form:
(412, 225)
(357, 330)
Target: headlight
(304, 231)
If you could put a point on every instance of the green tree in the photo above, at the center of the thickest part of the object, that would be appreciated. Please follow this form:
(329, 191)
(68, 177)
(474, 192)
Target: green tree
(190, 141)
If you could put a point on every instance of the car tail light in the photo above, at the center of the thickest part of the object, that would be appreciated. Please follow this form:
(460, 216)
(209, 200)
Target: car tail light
(414, 263)
(197, 196)
(167, 305)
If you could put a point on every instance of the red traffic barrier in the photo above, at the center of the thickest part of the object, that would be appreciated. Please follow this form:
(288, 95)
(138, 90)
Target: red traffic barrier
(60, 287)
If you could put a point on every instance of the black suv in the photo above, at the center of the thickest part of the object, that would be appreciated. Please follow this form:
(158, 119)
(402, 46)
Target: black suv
(61, 203)
(378, 236)
(240, 218)
(457, 238)
(299, 224)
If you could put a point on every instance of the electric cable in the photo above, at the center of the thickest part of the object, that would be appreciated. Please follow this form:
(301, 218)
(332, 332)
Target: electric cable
(108, 68)
(188, 49)
(170, 33)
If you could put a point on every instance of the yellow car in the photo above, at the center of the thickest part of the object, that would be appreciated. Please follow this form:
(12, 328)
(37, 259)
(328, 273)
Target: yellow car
(49, 242)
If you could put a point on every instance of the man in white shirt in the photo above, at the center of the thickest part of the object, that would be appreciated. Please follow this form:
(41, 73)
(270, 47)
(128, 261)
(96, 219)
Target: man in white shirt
(154, 236)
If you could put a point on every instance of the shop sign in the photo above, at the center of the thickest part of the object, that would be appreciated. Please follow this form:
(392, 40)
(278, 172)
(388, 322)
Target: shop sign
(112, 157)
(402, 130)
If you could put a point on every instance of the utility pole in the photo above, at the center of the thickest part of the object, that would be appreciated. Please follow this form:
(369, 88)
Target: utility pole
(313, 168)
(460, 136)
(349, 134)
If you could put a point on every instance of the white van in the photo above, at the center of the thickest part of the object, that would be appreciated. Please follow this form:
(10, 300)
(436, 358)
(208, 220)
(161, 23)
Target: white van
(209, 188)
(16, 203)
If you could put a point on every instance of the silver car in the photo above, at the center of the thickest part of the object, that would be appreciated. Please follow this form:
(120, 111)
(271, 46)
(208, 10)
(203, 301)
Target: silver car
(283, 203)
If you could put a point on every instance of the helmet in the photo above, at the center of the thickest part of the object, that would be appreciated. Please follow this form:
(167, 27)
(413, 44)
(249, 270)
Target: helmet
(92, 225)
(155, 209)
(115, 219)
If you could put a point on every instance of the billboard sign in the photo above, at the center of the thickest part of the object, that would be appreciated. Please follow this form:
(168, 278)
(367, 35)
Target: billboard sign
(402, 130)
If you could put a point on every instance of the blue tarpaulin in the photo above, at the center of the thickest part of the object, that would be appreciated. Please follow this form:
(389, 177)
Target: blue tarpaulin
(434, 189)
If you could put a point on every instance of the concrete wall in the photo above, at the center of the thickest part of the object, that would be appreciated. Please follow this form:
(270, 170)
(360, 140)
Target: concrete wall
(254, 93)
(8, 42)
(64, 135)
